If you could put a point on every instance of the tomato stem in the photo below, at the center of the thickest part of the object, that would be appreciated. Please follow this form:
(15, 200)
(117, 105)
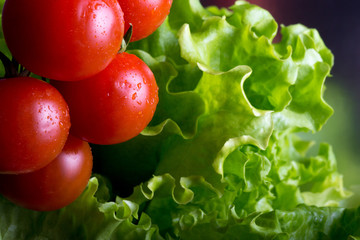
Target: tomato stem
(126, 39)
(20, 70)
(45, 79)
(12, 67)
(24, 73)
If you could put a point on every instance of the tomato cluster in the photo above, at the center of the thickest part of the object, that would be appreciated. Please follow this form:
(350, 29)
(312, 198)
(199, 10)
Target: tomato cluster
(93, 93)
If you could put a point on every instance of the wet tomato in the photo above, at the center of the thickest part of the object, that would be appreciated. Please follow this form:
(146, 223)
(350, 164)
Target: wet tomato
(63, 40)
(54, 186)
(34, 124)
(145, 15)
(114, 105)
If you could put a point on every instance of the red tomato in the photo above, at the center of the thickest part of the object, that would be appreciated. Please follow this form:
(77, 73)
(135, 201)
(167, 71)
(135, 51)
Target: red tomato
(114, 105)
(63, 40)
(34, 124)
(54, 186)
(145, 15)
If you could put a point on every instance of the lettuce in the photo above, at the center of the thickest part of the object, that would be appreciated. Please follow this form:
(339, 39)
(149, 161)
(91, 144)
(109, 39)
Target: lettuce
(222, 158)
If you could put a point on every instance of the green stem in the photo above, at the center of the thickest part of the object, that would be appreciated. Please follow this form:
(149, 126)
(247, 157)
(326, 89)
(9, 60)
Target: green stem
(10, 68)
(13, 68)
(126, 40)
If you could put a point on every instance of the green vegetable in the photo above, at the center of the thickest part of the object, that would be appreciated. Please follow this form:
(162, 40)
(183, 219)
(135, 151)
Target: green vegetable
(221, 159)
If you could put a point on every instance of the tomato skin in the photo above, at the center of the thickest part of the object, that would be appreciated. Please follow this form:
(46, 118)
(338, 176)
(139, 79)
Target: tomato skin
(54, 186)
(114, 105)
(145, 15)
(34, 124)
(63, 40)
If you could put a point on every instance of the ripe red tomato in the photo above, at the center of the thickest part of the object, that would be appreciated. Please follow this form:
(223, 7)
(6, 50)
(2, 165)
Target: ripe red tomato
(34, 124)
(63, 40)
(145, 15)
(54, 186)
(114, 105)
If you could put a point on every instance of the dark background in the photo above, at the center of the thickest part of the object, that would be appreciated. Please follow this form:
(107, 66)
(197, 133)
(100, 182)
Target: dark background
(338, 23)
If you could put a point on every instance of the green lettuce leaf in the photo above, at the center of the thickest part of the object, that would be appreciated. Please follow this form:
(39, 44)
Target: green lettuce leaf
(302, 223)
(86, 218)
(260, 20)
(267, 86)
(307, 110)
(90, 217)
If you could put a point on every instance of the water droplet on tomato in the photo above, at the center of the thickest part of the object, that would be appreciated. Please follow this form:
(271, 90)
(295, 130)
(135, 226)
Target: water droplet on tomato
(152, 101)
(134, 96)
(98, 6)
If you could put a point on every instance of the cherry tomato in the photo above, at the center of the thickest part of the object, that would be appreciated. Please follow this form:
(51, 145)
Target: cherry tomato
(63, 40)
(34, 124)
(145, 15)
(114, 105)
(54, 186)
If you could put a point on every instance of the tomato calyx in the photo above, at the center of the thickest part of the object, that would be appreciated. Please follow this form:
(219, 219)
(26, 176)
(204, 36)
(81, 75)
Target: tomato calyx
(126, 40)
(12, 67)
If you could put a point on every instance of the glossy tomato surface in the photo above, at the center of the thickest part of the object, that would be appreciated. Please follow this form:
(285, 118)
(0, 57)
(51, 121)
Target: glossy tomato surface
(145, 15)
(54, 186)
(34, 124)
(63, 40)
(114, 105)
